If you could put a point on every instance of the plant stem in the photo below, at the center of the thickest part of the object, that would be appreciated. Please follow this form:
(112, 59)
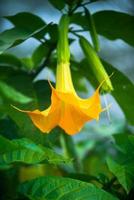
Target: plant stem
(70, 150)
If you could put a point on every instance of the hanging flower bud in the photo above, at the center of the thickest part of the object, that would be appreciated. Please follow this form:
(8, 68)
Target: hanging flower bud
(96, 65)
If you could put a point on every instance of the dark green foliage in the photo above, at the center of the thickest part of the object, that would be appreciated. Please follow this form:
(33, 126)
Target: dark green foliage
(25, 151)
(58, 4)
(122, 166)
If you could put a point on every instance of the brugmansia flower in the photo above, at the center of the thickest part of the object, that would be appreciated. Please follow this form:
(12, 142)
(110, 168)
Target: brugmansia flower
(67, 109)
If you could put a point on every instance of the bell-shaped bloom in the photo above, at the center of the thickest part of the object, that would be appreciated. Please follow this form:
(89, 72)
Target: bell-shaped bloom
(67, 109)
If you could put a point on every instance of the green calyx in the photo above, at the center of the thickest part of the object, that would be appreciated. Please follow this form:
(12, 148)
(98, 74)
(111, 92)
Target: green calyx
(63, 52)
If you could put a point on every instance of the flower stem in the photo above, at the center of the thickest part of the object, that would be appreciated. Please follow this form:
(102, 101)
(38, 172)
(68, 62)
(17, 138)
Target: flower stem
(70, 151)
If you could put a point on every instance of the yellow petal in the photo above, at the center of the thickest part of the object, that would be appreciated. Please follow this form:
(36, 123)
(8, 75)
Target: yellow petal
(90, 107)
(45, 120)
(72, 119)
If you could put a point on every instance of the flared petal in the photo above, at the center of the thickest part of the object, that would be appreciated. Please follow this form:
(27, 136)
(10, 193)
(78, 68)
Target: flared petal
(44, 120)
(68, 111)
(90, 107)
(72, 119)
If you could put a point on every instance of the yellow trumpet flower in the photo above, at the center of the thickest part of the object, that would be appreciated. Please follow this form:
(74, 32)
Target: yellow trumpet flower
(67, 109)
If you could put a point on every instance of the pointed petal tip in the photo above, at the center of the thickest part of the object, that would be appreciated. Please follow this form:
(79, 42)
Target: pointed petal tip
(18, 108)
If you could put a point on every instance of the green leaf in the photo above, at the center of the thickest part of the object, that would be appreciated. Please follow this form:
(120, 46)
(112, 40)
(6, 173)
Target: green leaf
(40, 54)
(7, 71)
(123, 87)
(25, 20)
(43, 93)
(111, 24)
(27, 63)
(11, 94)
(58, 4)
(10, 60)
(6, 145)
(33, 23)
(25, 125)
(15, 36)
(25, 151)
(53, 188)
(122, 166)
(26, 25)
(122, 92)
(53, 32)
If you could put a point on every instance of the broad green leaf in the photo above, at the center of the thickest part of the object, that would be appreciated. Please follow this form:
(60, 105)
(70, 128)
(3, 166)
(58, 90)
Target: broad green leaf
(123, 91)
(21, 81)
(40, 54)
(25, 20)
(111, 24)
(26, 25)
(123, 87)
(7, 71)
(15, 36)
(53, 32)
(58, 4)
(122, 165)
(28, 22)
(25, 151)
(33, 23)
(10, 60)
(53, 188)
(125, 142)
(43, 93)
(6, 145)
(11, 94)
